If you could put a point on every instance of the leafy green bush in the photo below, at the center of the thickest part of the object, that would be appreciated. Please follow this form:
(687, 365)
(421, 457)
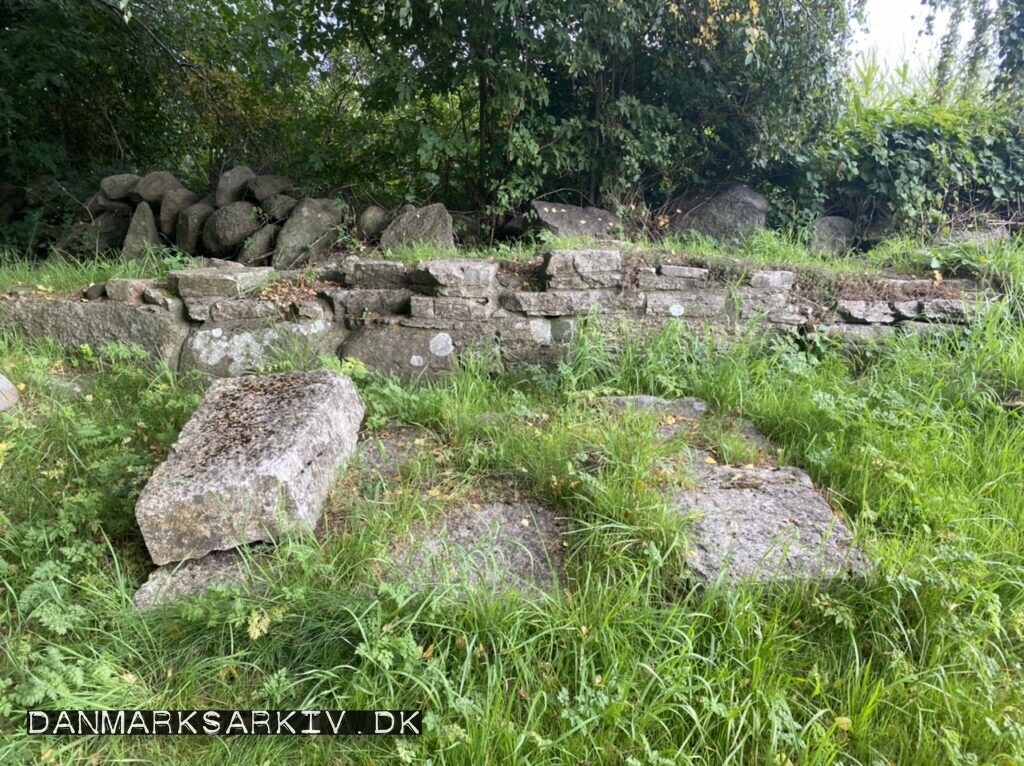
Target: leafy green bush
(899, 153)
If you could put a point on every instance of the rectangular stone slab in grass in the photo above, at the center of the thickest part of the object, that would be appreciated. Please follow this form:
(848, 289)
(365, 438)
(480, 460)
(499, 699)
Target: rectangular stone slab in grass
(500, 546)
(257, 458)
(762, 524)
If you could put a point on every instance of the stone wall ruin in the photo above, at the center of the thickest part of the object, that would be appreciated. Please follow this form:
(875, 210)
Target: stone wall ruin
(224, 319)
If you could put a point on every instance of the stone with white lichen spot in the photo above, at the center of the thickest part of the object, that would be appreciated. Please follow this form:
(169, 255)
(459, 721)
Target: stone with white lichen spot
(228, 351)
(8, 395)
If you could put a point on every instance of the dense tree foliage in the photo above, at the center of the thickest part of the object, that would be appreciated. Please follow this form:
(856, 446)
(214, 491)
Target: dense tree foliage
(483, 104)
(478, 102)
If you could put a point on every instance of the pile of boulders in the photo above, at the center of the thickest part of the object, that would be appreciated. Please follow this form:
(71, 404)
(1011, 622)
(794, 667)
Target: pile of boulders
(258, 220)
(250, 218)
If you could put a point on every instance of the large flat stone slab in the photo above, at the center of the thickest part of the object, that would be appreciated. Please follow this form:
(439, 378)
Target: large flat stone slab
(256, 459)
(501, 546)
(70, 323)
(573, 221)
(764, 524)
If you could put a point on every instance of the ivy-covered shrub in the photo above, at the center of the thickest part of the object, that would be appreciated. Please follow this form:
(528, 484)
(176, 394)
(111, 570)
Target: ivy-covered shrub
(916, 162)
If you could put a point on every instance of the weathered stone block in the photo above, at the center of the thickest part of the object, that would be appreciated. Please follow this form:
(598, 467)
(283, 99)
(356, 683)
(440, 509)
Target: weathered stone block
(198, 309)
(177, 582)
(455, 278)
(360, 302)
(763, 525)
(683, 272)
(158, 296)
(228, 351)
(256, 459)
(773, 279)
(755, 302)
(693, 304)
(582, 269)
(464, 309)
(406, 351)
(946, 310)
(242, 310)
(669, 277)
(858, 334)
(909, 309)
(213, 282)
(563, 330)
(792, 314)
(125, 290)
(71, 324)
(867, 312)
(573, 302)
(375, 274)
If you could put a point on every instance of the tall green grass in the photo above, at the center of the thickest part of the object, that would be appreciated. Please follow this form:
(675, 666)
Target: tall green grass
(61, 272)
(628, 662)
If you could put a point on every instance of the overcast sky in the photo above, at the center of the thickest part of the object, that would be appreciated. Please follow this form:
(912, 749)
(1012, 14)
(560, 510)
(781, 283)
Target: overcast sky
(892, 29)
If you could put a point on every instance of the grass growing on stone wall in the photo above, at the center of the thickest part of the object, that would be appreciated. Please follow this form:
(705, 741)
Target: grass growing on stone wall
(62, 273)
(1000, 263)
(917, 440)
